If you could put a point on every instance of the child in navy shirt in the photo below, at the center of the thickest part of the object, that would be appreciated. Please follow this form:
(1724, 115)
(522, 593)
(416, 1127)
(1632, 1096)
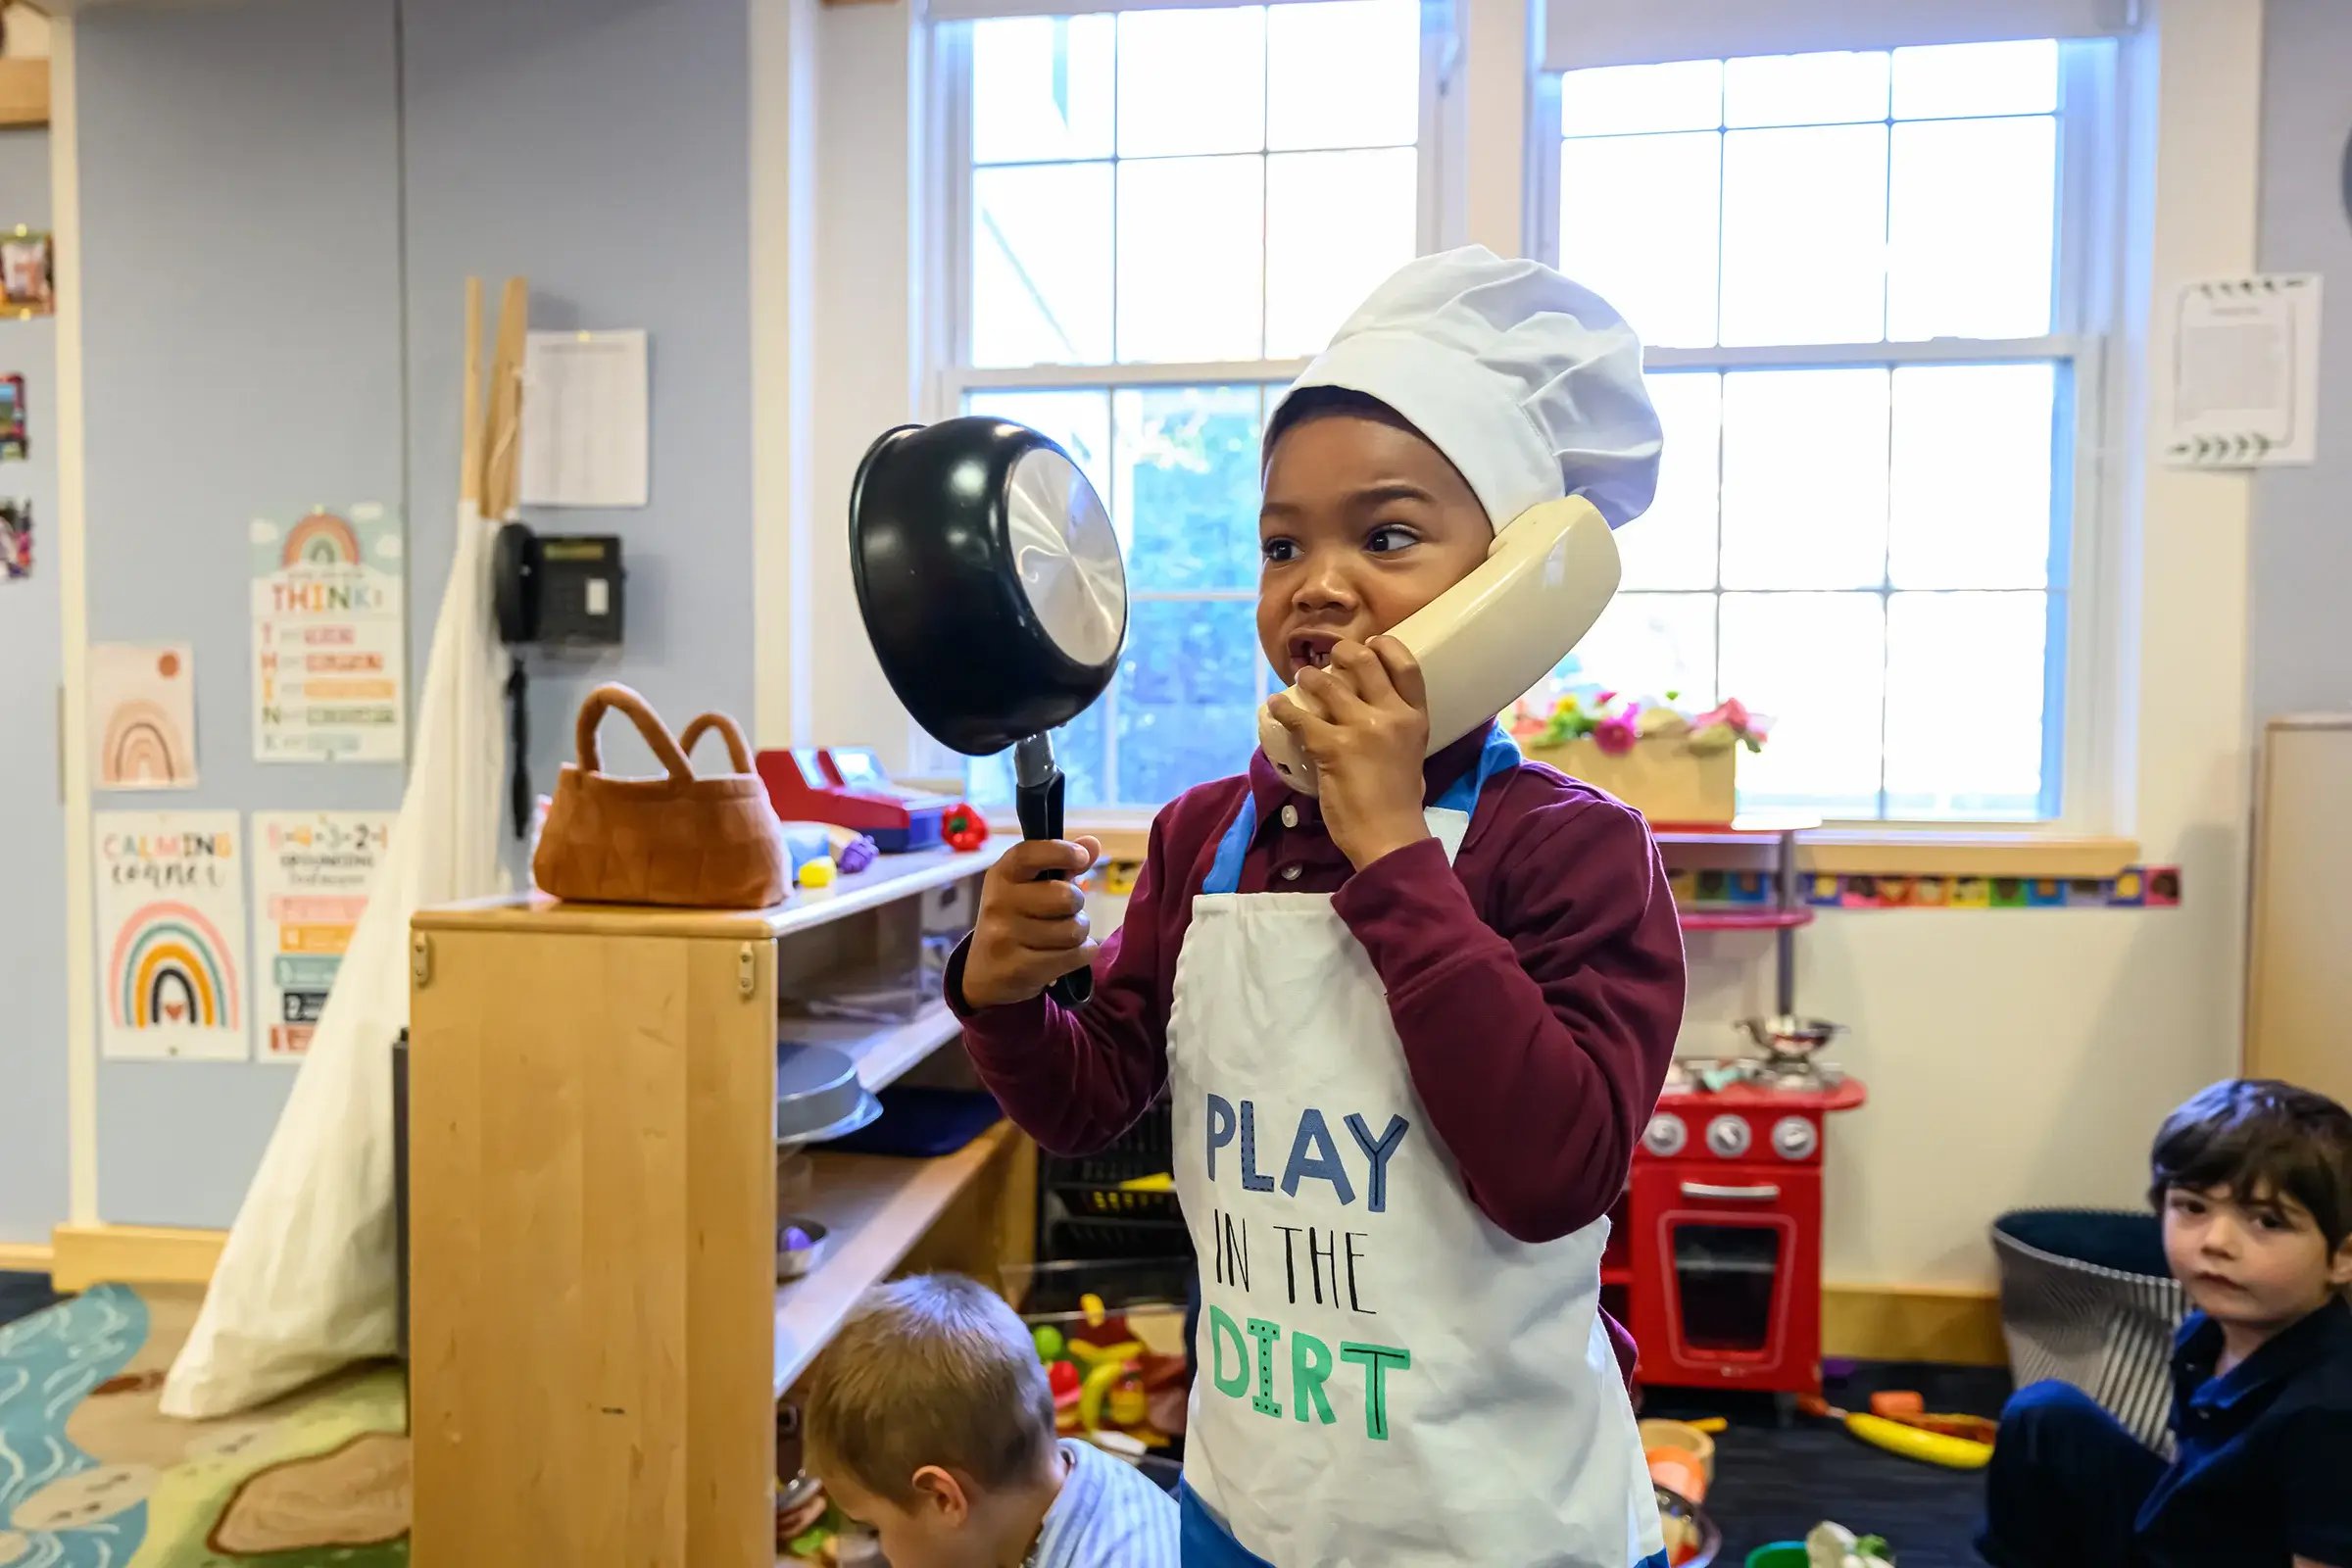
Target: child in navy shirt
(2254, 1181)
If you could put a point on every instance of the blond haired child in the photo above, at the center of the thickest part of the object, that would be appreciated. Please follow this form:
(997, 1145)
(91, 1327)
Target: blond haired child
(930, 1422)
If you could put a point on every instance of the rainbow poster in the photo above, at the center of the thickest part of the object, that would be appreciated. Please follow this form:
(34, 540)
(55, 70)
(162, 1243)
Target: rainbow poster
(172, 935)
(143, 715)
(311, 875)
(329, 636)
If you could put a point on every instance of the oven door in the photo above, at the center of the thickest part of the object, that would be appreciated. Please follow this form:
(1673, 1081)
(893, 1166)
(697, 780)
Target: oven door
(1727, 1260)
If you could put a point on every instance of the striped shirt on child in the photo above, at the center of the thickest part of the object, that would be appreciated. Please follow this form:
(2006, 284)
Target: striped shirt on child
(1110, 1515)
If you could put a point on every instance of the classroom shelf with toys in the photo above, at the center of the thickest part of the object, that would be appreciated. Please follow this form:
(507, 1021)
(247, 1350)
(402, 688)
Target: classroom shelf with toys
(599, 1327)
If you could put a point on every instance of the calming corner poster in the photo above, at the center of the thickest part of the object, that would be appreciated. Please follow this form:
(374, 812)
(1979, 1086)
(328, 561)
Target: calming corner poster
(329, 637)
(172, 935)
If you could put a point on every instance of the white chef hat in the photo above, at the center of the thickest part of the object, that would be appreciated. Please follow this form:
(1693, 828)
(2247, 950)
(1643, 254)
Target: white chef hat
(1529, 383)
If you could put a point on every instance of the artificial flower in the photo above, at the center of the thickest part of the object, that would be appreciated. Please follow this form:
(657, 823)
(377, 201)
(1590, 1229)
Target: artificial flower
(1616, 735)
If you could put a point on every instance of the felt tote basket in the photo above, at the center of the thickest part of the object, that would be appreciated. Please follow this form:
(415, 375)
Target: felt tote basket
(708, 842)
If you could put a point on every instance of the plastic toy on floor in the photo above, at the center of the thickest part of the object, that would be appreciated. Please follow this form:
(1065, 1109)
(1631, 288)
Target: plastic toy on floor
(1825, 1545)
(1898, 1422)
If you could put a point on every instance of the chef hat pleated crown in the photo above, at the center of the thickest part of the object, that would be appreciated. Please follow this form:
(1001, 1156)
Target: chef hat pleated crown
(1529, 383)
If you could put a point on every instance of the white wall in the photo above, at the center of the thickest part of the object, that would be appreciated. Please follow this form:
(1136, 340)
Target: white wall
(2014, 1059)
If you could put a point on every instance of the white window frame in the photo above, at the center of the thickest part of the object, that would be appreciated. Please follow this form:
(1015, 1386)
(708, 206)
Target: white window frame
(1466, 43)
(945, 323)
(2080, 684)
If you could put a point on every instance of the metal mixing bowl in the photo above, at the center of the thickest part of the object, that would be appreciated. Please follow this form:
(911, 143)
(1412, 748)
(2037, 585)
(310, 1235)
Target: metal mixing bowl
(1674, 1506)
(1789, 1038)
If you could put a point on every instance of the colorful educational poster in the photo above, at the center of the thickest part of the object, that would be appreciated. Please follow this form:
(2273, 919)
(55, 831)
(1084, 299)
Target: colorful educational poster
(311, 875)
(330, 634)
(143, 715)
(172, 935)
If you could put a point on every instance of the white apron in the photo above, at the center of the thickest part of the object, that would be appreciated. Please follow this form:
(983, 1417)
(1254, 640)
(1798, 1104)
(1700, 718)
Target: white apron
(1384, 1379)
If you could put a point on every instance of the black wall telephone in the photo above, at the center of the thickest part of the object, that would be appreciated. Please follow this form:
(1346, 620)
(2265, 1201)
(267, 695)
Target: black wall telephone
(554, 590)
(559, 589)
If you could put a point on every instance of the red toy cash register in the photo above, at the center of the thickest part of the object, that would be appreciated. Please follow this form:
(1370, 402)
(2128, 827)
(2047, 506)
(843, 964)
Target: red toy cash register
(845, 785)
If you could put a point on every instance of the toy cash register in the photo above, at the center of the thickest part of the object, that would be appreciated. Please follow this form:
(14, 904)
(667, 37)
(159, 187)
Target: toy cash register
(845, 785)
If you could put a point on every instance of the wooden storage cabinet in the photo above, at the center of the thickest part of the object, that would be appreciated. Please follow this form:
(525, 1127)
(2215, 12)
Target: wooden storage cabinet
(597, 1334)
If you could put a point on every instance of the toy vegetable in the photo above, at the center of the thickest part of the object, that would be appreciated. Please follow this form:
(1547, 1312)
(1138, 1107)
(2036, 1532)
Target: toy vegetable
(963, 827)
(1832, 1545)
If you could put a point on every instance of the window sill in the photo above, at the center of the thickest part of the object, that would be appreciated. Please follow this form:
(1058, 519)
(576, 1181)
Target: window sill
(1829, 851)
(1880, 852)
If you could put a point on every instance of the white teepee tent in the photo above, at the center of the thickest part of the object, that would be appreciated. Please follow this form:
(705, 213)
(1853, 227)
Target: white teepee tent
(307, 1281)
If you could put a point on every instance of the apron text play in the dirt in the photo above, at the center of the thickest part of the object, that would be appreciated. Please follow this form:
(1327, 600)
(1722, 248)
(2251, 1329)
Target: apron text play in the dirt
(1385, 1379)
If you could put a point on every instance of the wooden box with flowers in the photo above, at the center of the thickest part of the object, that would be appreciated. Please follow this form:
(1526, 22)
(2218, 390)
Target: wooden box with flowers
(1670, 765)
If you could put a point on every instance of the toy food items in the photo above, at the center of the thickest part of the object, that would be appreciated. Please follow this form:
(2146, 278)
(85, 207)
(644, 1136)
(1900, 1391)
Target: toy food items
(963, 827)
(1097, 1386)
(1108, 1379)
(1832, 1545)
(1955, 1441)
(816, 874)
(1127, 1405)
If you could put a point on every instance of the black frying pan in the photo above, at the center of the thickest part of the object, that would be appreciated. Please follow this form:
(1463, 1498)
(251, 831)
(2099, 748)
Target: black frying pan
(989, 578)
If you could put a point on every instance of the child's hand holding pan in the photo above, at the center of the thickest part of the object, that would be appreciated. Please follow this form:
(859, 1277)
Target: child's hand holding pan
(1031, 932)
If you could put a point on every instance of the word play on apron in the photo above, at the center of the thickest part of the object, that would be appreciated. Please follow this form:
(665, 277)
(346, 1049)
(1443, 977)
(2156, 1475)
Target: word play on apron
(1384, 1379)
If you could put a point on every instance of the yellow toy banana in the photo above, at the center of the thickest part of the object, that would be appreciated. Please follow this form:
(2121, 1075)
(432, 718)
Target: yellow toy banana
(1094, 1390)
(1915, 1442)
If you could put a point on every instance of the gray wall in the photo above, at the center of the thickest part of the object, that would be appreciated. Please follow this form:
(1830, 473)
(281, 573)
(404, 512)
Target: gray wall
(608, 161)
(33, 867)
(241, 349)
(280, 202)
(2301, 653)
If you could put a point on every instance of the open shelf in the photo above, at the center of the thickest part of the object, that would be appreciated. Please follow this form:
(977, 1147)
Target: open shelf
(883, 1052)
(874, 1209)
(1746, 920)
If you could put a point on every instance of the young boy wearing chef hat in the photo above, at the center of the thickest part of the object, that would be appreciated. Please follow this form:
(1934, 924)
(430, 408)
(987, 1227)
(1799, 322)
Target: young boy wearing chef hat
(1412, 1026)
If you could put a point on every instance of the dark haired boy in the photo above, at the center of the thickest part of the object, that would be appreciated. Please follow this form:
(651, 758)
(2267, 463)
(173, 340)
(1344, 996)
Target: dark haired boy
(2254, 1182)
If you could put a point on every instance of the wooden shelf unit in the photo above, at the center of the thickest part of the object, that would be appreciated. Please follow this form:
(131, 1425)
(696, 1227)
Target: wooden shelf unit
(597, 1336)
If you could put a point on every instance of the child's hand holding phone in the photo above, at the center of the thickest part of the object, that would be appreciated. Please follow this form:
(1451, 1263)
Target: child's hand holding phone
(1363, 720)
(1030, 932)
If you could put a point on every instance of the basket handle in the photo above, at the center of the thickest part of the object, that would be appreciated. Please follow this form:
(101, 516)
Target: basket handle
(739, 752)
(641, 713)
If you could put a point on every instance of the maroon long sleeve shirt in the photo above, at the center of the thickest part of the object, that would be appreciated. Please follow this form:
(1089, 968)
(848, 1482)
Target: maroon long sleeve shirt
(1536, 983)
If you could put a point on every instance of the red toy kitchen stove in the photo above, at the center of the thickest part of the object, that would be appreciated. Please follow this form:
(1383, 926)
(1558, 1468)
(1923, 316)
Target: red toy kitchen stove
(1717, 1243)
(1714, 1256)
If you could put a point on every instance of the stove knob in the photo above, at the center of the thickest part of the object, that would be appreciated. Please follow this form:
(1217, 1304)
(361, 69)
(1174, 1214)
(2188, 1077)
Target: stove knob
(1666, 1137)
(1728, 1135)
(1795, 1138)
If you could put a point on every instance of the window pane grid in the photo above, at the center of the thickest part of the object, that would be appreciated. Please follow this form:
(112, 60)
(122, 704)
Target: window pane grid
(1142, 355)
(1115, 236)
(1890, 672)
(1862, 525)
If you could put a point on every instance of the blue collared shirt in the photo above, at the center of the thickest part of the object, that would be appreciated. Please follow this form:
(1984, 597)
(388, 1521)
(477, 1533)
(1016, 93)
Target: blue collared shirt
(1110, 1515)
(2264, 1472)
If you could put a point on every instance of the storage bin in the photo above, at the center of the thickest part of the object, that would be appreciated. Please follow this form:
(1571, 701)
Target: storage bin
(2087, 1299)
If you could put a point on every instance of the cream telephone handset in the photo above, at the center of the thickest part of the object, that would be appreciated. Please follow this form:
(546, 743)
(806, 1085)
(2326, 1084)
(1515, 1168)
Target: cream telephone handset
(1485, 642)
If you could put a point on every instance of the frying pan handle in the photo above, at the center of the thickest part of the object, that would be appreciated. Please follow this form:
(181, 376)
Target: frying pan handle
(1039, 808)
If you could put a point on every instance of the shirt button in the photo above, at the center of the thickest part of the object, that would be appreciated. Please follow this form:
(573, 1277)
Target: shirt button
(1290, 873)
(1289, 817)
